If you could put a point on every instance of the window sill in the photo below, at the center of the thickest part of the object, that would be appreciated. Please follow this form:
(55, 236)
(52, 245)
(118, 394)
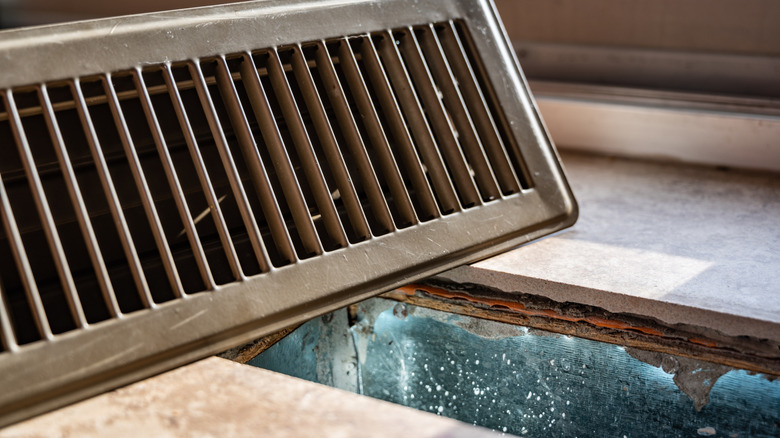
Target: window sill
(680, 244)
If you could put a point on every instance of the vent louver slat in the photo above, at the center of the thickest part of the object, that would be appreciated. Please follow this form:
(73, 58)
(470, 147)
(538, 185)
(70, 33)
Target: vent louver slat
(175, 206)
(415, 117)
(280, 156)
(213, 201)
(172, 178)
(375, 139)
(402, 142)
(439, 119)
(114, 204)
(329, 145)
(475, 102)
(303, 147)
(44, 212)
(25, 272)
(142, 186)
(80, 209)
(354, 142)
(456, 109)
(7, 338)
(237, 189)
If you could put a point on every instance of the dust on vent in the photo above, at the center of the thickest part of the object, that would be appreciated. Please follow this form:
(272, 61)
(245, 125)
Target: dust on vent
(174, 184)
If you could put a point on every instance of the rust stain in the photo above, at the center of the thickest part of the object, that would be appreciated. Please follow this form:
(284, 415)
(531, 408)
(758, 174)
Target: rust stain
(621, 325)
(410, 289)
(704, 342)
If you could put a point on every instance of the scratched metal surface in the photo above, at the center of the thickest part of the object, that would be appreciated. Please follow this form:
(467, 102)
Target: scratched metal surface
(81, 356)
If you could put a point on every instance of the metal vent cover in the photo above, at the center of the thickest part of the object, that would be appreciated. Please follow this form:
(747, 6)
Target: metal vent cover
(174, 184)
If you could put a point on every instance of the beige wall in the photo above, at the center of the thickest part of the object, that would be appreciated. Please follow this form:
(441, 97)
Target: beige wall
(740, 26)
